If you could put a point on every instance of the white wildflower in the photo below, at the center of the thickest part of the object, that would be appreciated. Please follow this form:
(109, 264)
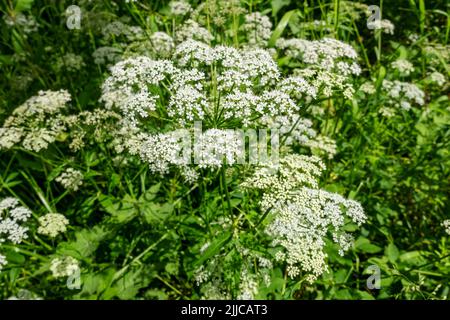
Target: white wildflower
(403, 66)
(446, 225)
(70, 179)
(192, 30)
(302, 215)
(385, 25)
(52, 224)
(64, 267)
(258, 29)
(402, 95)
(3, 262)
(69, 62)
(37, 122)
(179, 8)
(162, 44)
(12, 215)
(438, 78)
(107, 55)
(367, 88)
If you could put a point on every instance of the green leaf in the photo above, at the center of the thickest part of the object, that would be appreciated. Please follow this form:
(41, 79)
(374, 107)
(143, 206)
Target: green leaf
(150, 194)
(278, 4)
(122, 211)
(280, 27)
(22, 5)
(155, 212)
(381, 76)
(392, 252)
(214, 247)
(363, 295)
(364, 245)
(87, 241)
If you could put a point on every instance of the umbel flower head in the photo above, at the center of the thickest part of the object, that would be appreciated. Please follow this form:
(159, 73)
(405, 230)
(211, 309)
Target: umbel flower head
(70, 179)
(12, 216)
(302, 216)
(400, 96)
(223, 87)
(36, 123)
(64, 267)
(52, 224)
(328, 64)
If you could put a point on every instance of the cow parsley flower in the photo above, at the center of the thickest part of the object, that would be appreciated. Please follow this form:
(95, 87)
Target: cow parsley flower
(12, 216)
(248, 286)
(368, 88)
(52, 224)
(438, 78)
(402, 94)
(180, 8)
(37, 122)
(446, 225)
(24, 294)
(162, 44)
(258, 29)
(3, 262)
(329, 64)
(385, 25)
(70, 179)
(25, 22)
(190, 29)
(303, 216)
(64, 267)
(69, 62)
(107, 55)
(403, 66)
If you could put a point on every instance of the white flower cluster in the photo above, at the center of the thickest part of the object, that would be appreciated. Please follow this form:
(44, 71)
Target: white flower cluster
(240, 87)
(117, 29)
(64, 267)
(52, 224)
(248, 286)
(37, 122)
(446, 225)
(12, 216)
(385, 25)
(438, 78)
(24, 294)
(329, 63)
(179, 8)
(27, 23)
(190, 29)
(217, 85)
(368, 88)
(302, 216)
(401, 95)
(403, 66)
(212, 149)
(258, 29)
(162, 44)
(69, 62)
(128, 86)
(3, 261)
(70, 179)
(299, 131)
(97, 124)
(323, 145)
(107, 55)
